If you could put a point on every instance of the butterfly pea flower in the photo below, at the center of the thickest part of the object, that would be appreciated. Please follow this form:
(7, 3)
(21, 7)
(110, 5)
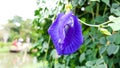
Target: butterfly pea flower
(66, 33)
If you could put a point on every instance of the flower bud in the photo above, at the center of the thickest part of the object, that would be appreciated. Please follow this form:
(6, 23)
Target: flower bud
(68, 7)
(104, 31)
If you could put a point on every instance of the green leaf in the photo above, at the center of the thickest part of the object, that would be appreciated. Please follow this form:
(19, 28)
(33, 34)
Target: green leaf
(114, 19)
(89, 9)
(54, 54)
(37, 12)
(90, 63)
(115, 5)
(99, 19)
(81, 2)
(107, 2)
(88, 52)
(115, 9)
(112, 49)
(58, 65)
(45, 46)
(115, 26)
(99, 61)
(116, 23)
(117, 38)
(117, 49)
(100, 66)
(82, 57)
(111, 18)
(102, 50)
(103, 40)
(80, 67)
(87, 41)
(95, 0)
(75, 2)
(111, 38)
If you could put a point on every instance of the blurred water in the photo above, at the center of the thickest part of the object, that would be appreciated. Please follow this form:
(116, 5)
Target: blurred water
(17, 60)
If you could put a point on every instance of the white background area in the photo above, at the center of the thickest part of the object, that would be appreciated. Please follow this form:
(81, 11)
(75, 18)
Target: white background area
(10, 8)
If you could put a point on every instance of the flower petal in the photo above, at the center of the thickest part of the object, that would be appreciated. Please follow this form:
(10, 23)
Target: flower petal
(66, 33)
(73, 38)
(53, 31)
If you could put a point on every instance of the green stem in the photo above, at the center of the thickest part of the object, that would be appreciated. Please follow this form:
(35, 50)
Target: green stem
(82, 14)
(49, 40)
(105, 9)
(92, 15)
(88, 24)
(43, 64)
(103, 24)
(117, 2)
(109, 21)
(97, 12)
(45, 58)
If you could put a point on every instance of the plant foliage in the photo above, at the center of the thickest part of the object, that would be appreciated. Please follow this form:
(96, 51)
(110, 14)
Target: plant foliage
(101, 45)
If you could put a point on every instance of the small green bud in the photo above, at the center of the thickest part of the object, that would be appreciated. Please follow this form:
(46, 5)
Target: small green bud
(104, 31)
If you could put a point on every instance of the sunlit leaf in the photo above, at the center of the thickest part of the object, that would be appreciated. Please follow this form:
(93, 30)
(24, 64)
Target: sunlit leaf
(45, 46)
(107, 2)
(82, 57)
(116, 23)
(54, 54)
(90, 63)
(99, 61)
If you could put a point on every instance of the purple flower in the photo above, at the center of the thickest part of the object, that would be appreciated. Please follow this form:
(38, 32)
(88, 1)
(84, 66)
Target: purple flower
(66, 33)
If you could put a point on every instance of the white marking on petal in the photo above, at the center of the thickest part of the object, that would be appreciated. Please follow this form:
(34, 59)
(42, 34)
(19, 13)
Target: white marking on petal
(71, 22)
(59, 41)
(60, 44)
(66, 28)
